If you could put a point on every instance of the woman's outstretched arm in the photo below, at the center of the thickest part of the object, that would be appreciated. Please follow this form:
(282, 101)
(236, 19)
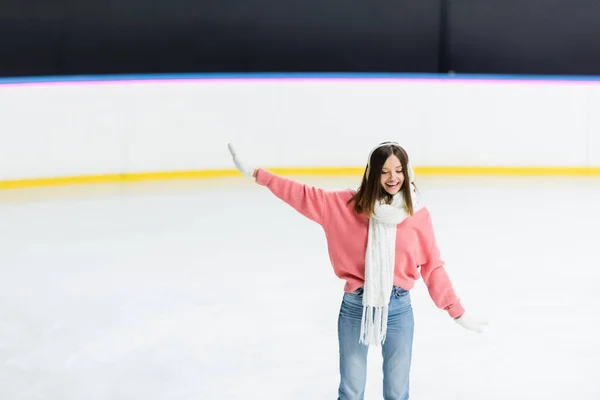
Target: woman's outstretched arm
(307, 200)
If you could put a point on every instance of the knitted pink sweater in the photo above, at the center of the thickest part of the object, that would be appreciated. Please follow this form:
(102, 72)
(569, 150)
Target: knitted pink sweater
(347, 234)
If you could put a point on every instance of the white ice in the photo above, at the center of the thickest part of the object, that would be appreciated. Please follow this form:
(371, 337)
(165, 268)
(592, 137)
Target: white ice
(217, 290)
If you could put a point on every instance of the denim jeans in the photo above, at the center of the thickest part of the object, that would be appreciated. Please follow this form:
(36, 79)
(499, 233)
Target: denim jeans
(396, 350)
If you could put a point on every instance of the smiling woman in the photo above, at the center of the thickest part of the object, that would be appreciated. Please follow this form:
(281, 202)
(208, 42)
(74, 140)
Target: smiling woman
(400, 248)
(388, 167)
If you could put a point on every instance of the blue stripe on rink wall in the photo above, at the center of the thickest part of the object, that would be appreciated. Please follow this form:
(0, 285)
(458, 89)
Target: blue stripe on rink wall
(286, 75)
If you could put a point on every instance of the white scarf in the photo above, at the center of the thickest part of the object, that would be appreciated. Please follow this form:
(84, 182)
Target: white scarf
(379, 267)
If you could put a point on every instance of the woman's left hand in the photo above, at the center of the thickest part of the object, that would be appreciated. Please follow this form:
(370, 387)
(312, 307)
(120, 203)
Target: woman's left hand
(471, 323)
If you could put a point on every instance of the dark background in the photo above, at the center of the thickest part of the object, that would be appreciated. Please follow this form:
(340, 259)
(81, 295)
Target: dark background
(81, 37)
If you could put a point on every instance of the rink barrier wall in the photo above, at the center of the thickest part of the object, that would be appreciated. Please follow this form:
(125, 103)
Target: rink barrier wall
(123, 128)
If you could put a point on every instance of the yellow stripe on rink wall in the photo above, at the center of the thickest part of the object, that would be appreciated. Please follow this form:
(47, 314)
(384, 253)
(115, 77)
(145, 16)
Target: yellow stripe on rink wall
(328, 171)
(115, 178)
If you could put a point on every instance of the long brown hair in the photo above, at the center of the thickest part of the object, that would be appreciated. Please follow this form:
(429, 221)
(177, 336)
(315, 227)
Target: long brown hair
(370, 189)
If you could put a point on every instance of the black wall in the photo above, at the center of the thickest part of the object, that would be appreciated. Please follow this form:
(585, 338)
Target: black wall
(524, 36)
(75, 37)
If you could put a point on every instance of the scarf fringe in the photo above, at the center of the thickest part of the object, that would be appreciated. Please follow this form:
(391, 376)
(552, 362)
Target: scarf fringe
(373, 325)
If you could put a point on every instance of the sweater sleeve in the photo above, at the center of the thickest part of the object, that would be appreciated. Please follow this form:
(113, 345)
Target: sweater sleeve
(307, 200)
(435, 275)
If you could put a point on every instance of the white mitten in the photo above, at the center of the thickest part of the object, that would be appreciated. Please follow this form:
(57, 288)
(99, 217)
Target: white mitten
(471, 323)
(243, 168)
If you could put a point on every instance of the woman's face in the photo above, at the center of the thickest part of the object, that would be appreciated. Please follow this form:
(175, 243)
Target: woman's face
(392, 176)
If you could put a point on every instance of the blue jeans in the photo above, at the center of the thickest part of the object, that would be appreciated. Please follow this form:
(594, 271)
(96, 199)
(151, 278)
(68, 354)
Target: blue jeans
(396, 350)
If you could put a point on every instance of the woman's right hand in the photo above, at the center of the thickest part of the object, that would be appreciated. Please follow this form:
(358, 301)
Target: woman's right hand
(246, 170)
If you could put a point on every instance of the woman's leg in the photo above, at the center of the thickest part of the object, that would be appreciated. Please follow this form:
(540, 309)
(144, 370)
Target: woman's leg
(397, 348)
(353, 355)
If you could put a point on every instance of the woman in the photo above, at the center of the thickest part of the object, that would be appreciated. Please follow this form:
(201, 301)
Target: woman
(380, 240)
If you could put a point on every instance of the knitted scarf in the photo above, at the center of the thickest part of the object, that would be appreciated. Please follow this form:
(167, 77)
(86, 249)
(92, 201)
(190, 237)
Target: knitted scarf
(379, 267)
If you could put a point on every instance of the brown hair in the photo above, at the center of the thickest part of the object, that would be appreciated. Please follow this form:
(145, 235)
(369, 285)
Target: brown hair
(370, 189)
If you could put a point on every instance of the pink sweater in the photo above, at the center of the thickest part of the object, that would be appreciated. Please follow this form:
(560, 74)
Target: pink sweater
(347, 234)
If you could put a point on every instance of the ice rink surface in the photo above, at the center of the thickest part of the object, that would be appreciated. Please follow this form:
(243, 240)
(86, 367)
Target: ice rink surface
(217, 290)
